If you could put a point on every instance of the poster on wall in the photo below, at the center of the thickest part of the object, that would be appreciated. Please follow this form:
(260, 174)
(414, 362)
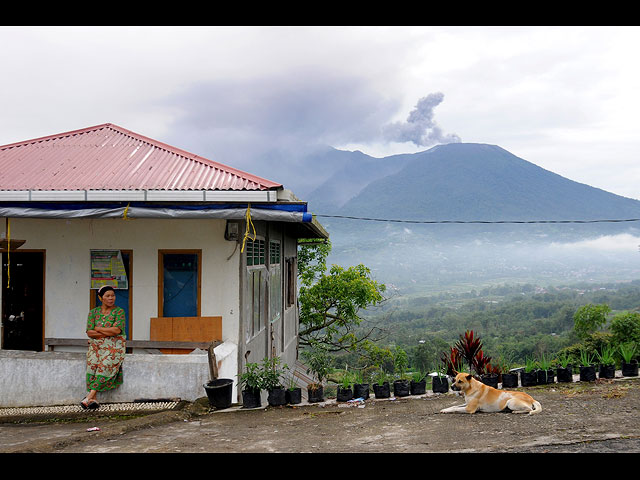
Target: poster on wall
(107, 268)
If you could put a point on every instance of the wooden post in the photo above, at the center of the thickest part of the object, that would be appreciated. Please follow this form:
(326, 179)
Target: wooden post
(213, 365)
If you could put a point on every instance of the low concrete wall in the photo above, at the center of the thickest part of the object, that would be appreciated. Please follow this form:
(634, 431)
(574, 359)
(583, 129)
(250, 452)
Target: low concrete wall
(58, 378)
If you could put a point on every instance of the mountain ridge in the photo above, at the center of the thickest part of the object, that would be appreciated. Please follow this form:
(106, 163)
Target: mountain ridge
(463, 182)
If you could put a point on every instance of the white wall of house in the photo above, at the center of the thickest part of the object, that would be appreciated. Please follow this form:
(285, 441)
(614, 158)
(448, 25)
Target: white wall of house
(68, 242)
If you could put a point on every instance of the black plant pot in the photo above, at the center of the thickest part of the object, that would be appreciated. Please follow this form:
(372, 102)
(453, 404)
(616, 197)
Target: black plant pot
(361, 390)
(509, 380)
(551, 375)
(401, 388)
(251, 398)
(277, 397)
(545, 376)
(418, 388)
(382, 391)
(439, 384)
(630, 369)
(607, 371)
(293, 395)
(528, 379)
(490, 379)
(565, 374)
(315, 393)
(344, 394)
(587, 373)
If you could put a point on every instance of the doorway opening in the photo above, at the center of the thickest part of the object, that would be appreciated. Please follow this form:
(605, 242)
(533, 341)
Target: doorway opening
(23, 300)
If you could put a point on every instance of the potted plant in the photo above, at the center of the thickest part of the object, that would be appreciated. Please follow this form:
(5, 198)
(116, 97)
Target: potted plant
(484, 370)
(491, 375)
(345, 388)
(564, 369)
(360, 387)
(318, 364)
(401, 386)
(439, 380)
(418, 383)
(381, 384)
(272, 375)
(251, 384)
(545, 372)
(508, 378)
(629, 364)
(529, 376)
(607, 362)
(293, 394)
(587, 367)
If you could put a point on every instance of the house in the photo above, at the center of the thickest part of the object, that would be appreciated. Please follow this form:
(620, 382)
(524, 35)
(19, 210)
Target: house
(198, 251)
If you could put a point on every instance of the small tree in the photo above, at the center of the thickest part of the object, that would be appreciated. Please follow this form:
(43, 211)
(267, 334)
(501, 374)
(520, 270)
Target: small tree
(318, 363)
(625, 327)
(400, 363)
(589, 318)
(330, 302)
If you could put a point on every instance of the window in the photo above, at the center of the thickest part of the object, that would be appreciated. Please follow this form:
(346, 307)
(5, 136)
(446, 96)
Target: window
(291, 281)
(179, 283)
(275, 281)
(257, 286)
(255, 253)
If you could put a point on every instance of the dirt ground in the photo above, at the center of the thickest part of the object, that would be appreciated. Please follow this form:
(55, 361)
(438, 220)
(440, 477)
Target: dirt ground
(599, 416)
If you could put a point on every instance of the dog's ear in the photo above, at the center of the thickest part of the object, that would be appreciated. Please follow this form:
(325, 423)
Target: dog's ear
(468, 377)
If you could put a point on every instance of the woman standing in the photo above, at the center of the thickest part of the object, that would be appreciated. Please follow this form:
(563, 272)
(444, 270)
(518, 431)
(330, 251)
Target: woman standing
(105, 327)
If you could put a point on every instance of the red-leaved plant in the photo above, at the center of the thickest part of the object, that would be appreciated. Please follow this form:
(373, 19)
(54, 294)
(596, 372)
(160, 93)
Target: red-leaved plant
(469, 345)
(452, 361)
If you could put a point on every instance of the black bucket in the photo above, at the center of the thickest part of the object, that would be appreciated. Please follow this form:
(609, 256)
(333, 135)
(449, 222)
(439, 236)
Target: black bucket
(219, 392)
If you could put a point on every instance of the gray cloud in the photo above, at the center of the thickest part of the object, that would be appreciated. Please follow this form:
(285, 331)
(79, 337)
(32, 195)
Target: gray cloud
(237, 119)
(420, 127)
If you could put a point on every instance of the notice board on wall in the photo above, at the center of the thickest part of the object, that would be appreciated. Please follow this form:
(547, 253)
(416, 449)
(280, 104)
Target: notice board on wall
(107, 268)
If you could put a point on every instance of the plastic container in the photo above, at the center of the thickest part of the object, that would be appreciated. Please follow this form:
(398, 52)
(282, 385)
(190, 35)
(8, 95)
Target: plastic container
(219, 392)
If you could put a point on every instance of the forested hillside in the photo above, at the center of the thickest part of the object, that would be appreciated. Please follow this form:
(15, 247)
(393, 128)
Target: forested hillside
(514, 321)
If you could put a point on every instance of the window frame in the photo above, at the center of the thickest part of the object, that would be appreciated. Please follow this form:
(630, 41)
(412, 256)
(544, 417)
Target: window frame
(161, 254)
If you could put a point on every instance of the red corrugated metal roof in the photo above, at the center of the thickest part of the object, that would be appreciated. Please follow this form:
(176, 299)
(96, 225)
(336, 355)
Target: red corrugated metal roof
(109, 157)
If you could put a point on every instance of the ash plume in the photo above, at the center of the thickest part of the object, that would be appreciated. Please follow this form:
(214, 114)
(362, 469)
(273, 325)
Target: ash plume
(420, 127)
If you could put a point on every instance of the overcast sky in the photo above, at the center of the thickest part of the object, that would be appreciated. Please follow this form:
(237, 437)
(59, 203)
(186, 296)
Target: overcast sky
(564, 98)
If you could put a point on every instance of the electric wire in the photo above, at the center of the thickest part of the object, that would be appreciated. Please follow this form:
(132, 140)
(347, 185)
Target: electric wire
(347, 217)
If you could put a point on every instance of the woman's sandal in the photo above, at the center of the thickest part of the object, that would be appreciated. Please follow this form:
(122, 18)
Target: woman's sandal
(83, 404)
(93, 405)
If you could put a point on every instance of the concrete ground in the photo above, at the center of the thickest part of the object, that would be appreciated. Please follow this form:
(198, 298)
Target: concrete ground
(583, 417)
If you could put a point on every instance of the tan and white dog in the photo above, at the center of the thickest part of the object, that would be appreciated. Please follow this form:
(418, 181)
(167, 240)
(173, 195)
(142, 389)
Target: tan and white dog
(484, 398)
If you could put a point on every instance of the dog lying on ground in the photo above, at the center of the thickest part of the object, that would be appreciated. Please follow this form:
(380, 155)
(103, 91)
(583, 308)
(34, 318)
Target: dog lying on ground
(484, 398)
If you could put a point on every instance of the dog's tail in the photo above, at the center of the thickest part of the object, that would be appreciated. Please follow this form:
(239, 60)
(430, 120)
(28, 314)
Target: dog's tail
(536, 407)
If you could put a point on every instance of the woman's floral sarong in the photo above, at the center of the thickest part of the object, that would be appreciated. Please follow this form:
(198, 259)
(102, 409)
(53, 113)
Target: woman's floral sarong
(105, 355)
